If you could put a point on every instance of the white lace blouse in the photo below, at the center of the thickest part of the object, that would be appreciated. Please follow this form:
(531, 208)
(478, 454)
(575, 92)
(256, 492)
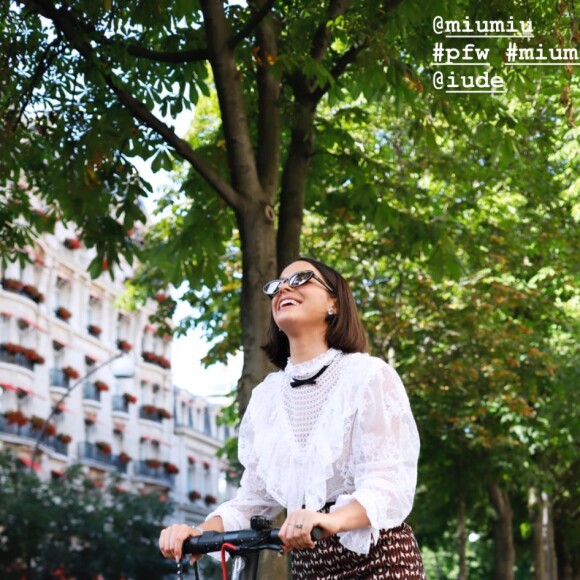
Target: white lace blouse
(351, 436)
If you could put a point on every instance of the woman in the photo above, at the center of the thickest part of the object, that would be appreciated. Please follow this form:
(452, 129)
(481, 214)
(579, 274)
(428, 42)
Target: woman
(331, 438)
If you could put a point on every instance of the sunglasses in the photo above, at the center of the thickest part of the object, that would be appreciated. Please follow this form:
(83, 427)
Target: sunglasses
(297, 279)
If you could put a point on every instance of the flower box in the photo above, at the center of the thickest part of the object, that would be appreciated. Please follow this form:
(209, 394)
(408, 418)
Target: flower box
(149, 409)
(170, 468)
(124, 458)
(71, 373)
(124, 345)
(12, 285)
(153, 463)
(64, 438)
(16, 418)
(101, 386)
(104, 447)
(164, 362)
(90, 421)
(206, 464)
(94, 330)
(210, 499)
(191, 460)
(129, 398)
(72, 243)
(194, 495)
(36, 422)
(164, 414)
(50, 430)
(33, 356)
(62, 313)
(33, 293)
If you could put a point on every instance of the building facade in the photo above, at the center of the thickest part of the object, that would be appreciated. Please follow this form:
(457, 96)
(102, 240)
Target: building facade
(61, 337)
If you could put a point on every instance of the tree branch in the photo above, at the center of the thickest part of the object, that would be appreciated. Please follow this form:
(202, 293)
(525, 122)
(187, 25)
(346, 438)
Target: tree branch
(175, 57)
(339, 67)
(323, 34)
(252, 24)
(229, 89)
(68, 26)
(43, 65)
(269, 131)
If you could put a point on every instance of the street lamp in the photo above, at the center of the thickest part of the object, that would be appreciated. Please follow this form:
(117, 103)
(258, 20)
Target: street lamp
(123, 368)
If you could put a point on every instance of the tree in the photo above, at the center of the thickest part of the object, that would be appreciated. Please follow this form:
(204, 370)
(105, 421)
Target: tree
(84, 88)
(74, 527)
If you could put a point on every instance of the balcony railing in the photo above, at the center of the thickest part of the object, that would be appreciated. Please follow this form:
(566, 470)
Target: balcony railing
(91, 451)
(145, 414)
(31, 433)
(59, 379)
(58, 445)
(20, 430)
(16, 358)
(159, 473)
(120, 403)
(91, 393)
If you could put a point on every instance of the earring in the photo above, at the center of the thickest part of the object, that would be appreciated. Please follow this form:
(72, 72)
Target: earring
(331, 312)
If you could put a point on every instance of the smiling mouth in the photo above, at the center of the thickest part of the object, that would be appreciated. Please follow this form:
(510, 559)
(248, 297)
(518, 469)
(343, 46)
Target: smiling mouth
(287, 302)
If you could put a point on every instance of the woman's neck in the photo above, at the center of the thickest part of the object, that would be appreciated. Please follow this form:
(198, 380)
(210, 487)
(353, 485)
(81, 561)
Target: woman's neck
(305, 349)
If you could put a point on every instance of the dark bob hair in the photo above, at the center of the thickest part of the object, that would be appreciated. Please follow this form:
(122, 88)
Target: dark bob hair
(345, 330)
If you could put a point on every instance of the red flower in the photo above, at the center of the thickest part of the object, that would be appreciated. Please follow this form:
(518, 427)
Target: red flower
(36, 422)
(72, 243)
(152, 463)
(62, 313)
(104, 447)
(124, 345)
(124, 458)
(129, 398)
(170, 468)
(94, 330)
(164, 414)
(101, 386)
(16, 418)
(71, 373)
(194, 495)
(210, 499)
(64, 438)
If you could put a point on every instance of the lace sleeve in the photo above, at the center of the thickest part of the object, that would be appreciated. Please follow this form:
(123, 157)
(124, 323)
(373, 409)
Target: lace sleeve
(251, 499)
(385, 451)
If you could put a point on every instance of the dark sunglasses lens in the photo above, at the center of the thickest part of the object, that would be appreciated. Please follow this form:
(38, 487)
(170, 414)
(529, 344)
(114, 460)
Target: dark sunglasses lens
(272, 287)
(300, 278)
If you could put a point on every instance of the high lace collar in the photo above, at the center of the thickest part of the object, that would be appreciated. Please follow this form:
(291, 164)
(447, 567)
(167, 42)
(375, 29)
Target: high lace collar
(312, 366)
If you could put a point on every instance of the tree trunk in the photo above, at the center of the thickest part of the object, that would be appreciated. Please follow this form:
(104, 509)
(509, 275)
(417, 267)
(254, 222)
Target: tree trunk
(258, 265)
(461, 537)
(504, 552)
(544, 547)
(568, 560)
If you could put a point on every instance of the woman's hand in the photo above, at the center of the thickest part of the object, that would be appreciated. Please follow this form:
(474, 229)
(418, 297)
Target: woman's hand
(171, 541)
(295, 531)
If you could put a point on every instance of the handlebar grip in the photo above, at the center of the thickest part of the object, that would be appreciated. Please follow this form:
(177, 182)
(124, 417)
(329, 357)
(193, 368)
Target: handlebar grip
(243, 539)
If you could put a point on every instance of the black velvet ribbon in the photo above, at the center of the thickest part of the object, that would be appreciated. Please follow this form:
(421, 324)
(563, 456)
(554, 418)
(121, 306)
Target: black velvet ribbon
(309, 381)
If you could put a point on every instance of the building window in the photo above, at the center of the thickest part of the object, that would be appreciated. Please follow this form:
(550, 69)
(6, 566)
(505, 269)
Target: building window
(4, 328)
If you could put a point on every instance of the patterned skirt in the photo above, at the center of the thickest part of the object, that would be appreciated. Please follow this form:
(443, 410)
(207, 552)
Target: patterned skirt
(395, 555)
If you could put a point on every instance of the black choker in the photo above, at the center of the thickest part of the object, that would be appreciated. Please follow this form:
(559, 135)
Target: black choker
(309, 381)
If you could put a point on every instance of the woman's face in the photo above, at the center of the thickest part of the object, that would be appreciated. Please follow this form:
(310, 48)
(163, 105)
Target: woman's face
(304, 307)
